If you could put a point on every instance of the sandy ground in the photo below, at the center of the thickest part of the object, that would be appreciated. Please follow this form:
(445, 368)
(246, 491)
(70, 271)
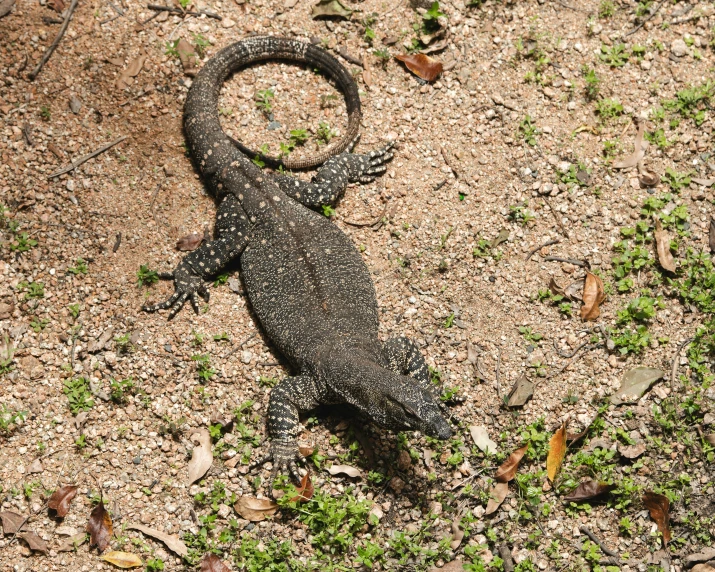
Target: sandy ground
(466, 171)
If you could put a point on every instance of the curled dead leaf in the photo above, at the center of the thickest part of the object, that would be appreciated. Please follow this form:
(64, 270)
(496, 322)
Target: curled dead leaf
(588, 490)
(57, 5)
(496, 497)
(593, 295)
(173, 543)
(632, 451)
(457, 534)
(662, 244)
(135, 66)
(34, 541)
(187, 56)
(61, 499)
(189, 242)
(122, 559)
(11, 521)
(520, 393)
(421, 65)
(638, 151)
(507, 471)
(201, 456)
(100, 527)
(482, 440)
(255, 510)
(212, 563)
(305, 491)
(659, 508)
(557, 452)
(344, 470)
(647, 178)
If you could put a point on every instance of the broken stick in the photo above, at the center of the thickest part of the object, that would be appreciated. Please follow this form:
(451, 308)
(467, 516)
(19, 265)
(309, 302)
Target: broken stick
(48, 53)
(77, 162)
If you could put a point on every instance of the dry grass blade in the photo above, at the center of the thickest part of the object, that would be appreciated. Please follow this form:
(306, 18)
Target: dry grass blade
(593, 295)
(496, 497)
(122, 559)
(173, 543)
(507, 471)
(100, 527)
(662, 244)
(557, 452)
(422, 66)
(659, 508)
(255, 510)
(61, 499)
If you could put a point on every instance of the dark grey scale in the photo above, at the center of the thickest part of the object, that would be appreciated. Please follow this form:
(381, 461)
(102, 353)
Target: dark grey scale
(307, 284)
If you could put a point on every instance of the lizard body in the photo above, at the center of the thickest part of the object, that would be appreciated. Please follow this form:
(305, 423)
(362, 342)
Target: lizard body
(307, 283)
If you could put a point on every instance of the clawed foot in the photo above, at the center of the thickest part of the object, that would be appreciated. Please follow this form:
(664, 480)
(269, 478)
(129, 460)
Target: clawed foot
(370, 165)
(285, 457)
(187, 285)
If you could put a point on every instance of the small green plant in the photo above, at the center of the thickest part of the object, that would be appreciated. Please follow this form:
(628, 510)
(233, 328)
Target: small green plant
(384, 55)
(74, 310)
(22, 243)
(482, 249)
(45, 113)
(124, 343)
(606, 9)
(201, 43)
(368, 32)
(520, 214)
(328, 211)
(528, 131)
(171, 49)
(154, 565)
(39, 324)
(146, 276)
(298, 137)
(119, 389)
(608, 109)
(529, 335)
(430, 19)
(324, 133)
(78, 394)
(9, 418)
(676, 181)
(32, 290)
(615, 56)
(592, 81)
(222, 337)
(264, 99)
(80, 442)
(203, 367)
(79, 268)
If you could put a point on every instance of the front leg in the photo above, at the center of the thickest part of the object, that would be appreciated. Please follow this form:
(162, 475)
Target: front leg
(287, 400)
(207, 260)
(335, 174)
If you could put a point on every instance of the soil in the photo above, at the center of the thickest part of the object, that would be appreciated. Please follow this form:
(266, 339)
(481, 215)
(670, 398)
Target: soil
(467, 170)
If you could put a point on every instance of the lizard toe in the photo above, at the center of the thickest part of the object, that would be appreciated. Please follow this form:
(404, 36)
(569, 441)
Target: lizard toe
(177, 305)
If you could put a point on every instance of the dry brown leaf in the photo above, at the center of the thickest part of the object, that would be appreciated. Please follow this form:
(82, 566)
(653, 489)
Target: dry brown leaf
(704, 182)
(307, 451)
(34, 541)
(73, 542)
(122, 559)
(703, 568)
(11, 521)
(201, 456)
(588, 490)
(711, 236)
(647, 178)
(255, 510)
(367, 71)
(421, 65)
(710, 438)
(457, 533)
(662, 244)
(344, 470)
(555, 289)
(305, 491)
(6, 7)
(496, 497)
(173, 543)
(632, 451)
(212, 563)
(57, 5)
(100, 527)
(638, 151)
(507, 471)
(557, 452)
(659, 508)
(593, 295)
(189, 242)
(135, 66)
(187, 55)
(61, 499)
(520, 393)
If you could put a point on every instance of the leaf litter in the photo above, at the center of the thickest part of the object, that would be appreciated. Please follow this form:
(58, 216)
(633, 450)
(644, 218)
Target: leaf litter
(635, 383)
(423, 66)
(557, 452)
(100, 527)
(254, 509)
(659, 509)
(201, 456)
(172, 542)
(61, 499)
(122, 559)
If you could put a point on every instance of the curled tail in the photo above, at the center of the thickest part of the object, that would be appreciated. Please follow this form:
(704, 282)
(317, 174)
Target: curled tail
(204, 133)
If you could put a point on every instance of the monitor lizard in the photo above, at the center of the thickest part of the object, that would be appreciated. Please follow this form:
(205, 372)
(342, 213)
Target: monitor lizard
(307, 283)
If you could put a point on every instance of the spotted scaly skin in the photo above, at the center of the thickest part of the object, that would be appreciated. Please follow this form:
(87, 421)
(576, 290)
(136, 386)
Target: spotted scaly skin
(307, 284)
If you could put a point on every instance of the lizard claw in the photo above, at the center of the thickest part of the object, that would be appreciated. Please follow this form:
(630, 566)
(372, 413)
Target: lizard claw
(187, 285)
(283, 454)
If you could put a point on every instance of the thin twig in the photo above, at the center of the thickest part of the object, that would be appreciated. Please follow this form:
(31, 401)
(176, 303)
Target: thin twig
(151, 204)
(117, 242)
(573, 261)
(446, 157)
(574, 8)
(556, 218)
(676, 359)
(343, 53)
(548, 243)
(76, 163)
(439, 185)
(48, 53)
(588, 532)
(573, 353)
(643, 23)
(208, 14)
(573, 359)
(497, 374)
(239, 346)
